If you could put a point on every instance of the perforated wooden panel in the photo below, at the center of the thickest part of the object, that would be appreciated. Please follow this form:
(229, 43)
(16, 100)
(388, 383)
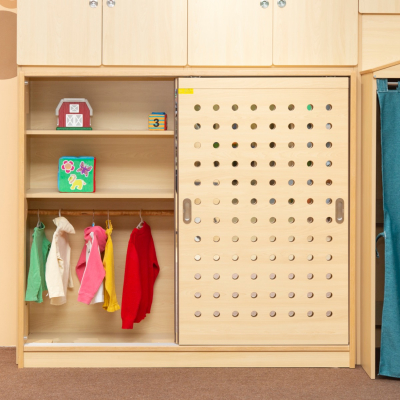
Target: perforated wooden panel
(263, 257)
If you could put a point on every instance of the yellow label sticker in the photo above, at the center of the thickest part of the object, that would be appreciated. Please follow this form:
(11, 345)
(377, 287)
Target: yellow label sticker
(185, 91)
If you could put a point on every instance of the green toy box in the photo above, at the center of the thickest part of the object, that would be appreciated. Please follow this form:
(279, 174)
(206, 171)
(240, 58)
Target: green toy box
(77, 174)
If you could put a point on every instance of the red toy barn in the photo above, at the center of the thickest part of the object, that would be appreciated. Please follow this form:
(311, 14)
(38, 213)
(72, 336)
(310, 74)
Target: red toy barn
(74, 114)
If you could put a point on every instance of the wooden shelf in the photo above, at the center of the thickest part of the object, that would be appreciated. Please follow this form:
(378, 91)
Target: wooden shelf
(141, 134)
(138, 193)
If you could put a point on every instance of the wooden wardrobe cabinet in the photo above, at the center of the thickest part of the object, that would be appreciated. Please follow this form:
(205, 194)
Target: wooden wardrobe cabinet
(309, 32)
(379, 7)
(142, 32)
(62, 32)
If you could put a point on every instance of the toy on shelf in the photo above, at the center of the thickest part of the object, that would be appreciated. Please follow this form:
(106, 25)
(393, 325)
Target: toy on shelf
(158, 121)
(77, 174)
(74, 114)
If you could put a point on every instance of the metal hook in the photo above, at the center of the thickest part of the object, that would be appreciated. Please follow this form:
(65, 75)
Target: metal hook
(141, 220)
(59, 212)
(39, 223)
(93, 219)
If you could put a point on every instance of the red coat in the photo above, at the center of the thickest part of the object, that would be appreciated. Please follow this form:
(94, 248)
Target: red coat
(141, 271)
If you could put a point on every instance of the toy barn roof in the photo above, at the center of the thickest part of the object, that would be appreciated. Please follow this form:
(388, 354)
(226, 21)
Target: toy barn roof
(73, 101)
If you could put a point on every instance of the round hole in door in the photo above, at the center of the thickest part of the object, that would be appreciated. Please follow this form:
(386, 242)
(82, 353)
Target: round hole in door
(291, 107)
(253, 258)
(291, 276)
(272, 145)
(216, 238)
(328, 145)
(216, 201)
(329, 314)
(197, 201)
(197, 163)
(235, 107)
(197, 239)
(235, 257)
(253, 201)
(310, 201)
(291, 126)
(216, 257)
(310, 107)
(291, 182)
(197, 145)
(329, 107)
(235, 220)
(329, 276)
(272, 126)
(329, 163)
(235, 314)
(197, 182)
(291, 163)
(272, 182)
(310, 182)
(216, 182)
(329, 126)
(197, 257)
(291, 257)
(310, 126)
(216, 295)
(253, 126)
(235, 163)
(235, 295)
(235, 145)
(215, 145)
(197, 314)
(216, 163)
(329, 238)
(253, 145)
(272, 238)
(272, 107)
(310, 220)
(216, 107)
(197, 126)
(216, 126)
(272, 276)
(254, 314)
(272, 163)
(329, 182)
(329, 220)
(197, 107)
(272, 314)
(253, 182)
(291, 145)
(310, 257)
(216, 314)
(253, 164)
(310, 238)
(197, 295)
(197, 220)
(235, 201)
(272, 201)
(310, 295)
(253, 107)
(310, 163)
(310, 145)
(328, 201)
(291, 201)
(272, 257)
(216, 220)
(254, 239)
(197, 276)
(235, 239)
(235, 182)
(329, 295)
(253, 295)
(253, 220)
(310, 276)
(291, 238)
(235, 126)
(272, 220)
(291, 220)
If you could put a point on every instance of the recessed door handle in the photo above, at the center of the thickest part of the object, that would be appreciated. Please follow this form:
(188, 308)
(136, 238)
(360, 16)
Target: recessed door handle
(187, 211)
(339, 207)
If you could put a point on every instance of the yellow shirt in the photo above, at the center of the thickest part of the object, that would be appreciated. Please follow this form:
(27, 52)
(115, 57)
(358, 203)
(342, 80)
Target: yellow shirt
(110, 297)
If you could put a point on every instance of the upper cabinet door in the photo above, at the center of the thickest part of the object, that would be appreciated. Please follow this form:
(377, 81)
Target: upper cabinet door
(144, 32)
(379, 6)
(315, 32)
(59, 32)
(230, 32)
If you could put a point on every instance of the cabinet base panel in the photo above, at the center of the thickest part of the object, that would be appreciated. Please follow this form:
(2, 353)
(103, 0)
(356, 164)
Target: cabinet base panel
(184, 359)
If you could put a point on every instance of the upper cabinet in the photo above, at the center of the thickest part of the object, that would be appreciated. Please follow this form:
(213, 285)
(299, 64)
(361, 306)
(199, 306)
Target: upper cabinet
(143, 32)
(315, 32)
(230, 32)
(59, 32)
(379, 6)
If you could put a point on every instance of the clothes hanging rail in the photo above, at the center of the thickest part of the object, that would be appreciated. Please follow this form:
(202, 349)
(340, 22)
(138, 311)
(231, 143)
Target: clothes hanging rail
(105, 213)
(393, 83)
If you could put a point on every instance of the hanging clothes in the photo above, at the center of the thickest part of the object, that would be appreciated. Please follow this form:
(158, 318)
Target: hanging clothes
(390, 133)
(110, 297)
(90, 268)
(141, 271)
(37, 266)
(58, 273)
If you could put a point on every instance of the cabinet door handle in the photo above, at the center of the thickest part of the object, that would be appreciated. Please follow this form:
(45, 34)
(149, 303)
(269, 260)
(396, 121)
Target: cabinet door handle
(111, 3)
(339, 211)
(93, 3)
(281, 3)
(264, 4)
(187, 211)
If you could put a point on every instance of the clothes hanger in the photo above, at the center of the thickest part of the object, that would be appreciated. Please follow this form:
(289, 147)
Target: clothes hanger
(140, 225)
(59, 212)
(93, 224)
(108, 220)
(39, 222)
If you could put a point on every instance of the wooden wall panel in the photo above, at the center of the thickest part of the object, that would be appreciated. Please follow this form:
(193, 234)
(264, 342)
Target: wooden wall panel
(379, 6)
